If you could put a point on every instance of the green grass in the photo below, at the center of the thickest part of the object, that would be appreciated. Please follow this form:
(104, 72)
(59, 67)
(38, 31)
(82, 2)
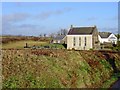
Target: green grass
(56, 45)
(109, 82)
(21, 44)
(23, 69)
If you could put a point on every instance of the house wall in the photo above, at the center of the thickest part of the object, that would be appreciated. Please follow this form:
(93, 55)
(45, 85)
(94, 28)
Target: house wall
(65, 40)
(70, 42)
(56, 41)
(95, 39)
(102, 40)
(112, 40)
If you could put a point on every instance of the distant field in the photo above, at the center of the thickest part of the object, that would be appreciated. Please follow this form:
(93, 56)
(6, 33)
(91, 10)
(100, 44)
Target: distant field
(31, 43)
(18, 42)
(8, 39)
(21, 44)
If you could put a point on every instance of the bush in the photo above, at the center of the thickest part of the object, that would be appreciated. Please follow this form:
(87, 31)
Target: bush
(91, 49)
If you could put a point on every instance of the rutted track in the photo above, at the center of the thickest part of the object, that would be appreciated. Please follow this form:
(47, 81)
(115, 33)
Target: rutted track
(116, 84)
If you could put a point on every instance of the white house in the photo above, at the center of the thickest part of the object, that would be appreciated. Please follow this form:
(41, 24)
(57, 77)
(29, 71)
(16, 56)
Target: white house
(59, 39)
(107, 37)
(82, 38)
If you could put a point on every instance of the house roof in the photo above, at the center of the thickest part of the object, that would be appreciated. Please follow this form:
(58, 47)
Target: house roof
(81, 30)
(104, 34)
(59, 37)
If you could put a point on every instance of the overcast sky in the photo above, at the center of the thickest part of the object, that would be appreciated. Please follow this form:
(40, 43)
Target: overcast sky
(34, 18)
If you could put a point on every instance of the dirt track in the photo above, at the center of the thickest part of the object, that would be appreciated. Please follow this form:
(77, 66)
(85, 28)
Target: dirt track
(116, 84)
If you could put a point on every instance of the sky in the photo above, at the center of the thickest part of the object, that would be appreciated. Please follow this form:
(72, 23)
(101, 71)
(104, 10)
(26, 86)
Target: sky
(35, 18)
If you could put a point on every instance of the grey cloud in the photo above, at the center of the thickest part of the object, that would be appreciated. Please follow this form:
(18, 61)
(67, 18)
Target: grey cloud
(24, 29)
(47, 14)
(44, 15)
(16, 17)
(9, 20)
(62, 11)
(9, 25)
(28, 26)
(8, 28)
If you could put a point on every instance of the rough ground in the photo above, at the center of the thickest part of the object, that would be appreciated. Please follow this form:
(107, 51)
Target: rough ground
(58, 68)
(116, 84)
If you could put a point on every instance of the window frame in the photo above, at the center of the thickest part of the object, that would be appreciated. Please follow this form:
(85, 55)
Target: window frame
(79, 41)
(74, 41)
(85, 41)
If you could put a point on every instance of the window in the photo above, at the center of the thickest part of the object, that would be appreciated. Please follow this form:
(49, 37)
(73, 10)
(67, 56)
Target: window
(79, 41)
(74, 41)
(112, 38)
(85, 41)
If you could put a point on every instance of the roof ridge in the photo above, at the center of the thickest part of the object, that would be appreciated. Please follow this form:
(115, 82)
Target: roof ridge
(81, 30)
(104, 32)
(84, 27)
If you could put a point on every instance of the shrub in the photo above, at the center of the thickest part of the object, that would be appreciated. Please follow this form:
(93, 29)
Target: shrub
(91, 49)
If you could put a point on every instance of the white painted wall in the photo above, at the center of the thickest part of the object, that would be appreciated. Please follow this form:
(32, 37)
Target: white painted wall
(112, 38)
(77, 47)
(102, 40)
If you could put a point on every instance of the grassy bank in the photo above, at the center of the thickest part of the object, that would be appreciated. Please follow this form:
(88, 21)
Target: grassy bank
(56, 68)
(108, 83)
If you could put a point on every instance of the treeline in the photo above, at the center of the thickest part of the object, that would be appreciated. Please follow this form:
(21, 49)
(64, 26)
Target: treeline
(20, 38)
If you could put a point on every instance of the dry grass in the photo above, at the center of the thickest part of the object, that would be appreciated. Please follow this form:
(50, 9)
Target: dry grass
(21, 44)
(55, 68)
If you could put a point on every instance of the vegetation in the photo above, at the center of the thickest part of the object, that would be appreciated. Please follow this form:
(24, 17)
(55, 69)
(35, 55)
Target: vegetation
(110, 81)
(7, 39)
(116, 47)
(55, 68)
(30, 44)
(110, 46)
(21, 44)
(46, 68)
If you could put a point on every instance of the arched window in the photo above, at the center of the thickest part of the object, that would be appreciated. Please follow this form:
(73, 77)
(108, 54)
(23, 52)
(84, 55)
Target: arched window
(74, 41)
(85, 41)
(79, 41)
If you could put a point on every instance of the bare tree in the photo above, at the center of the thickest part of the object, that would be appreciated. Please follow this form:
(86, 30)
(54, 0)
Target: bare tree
(44, 35)
(40, 35)
(62, 32)
(65, 32)
(52, 35)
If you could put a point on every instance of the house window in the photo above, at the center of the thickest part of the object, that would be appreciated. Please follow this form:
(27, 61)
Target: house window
(79, 41)
(74, 41)
(85, 41)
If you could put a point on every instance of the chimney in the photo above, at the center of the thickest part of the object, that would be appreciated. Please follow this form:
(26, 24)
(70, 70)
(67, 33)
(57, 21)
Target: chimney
(94, 26)
(71, 26)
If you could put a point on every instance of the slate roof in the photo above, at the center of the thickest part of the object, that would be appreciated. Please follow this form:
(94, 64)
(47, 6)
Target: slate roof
(104, 34)
(81, 30)
(59, 37)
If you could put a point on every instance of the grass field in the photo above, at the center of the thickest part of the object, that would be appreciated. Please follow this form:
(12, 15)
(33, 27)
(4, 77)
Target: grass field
(21, 44)
(30, 43)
